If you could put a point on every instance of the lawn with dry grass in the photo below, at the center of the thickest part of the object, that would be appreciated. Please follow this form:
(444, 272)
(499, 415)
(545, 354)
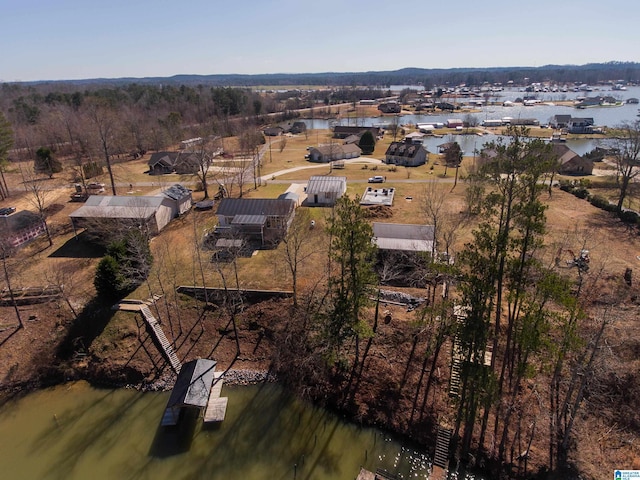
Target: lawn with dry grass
(179, 259)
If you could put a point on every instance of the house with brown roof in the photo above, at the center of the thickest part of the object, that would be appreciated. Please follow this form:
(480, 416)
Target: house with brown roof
(570, 163)
(331, 152)
(344, 131)
(407, 154)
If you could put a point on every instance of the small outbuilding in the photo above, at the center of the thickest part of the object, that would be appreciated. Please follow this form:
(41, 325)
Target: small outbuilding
(325, 190)
(181, 195)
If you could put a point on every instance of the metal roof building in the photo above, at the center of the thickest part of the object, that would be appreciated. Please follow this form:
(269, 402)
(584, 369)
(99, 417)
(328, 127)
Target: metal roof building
(325, 190)
(404, 237)
(266, 219)
(155, 212)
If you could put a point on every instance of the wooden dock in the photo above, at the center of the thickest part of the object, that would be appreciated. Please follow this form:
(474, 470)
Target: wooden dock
(365, 475)
(161, 338)
(217, 405)
(380, 474)
(441, 455)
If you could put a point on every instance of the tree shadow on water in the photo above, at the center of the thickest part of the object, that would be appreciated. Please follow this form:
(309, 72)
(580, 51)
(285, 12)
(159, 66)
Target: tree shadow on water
(174, 440)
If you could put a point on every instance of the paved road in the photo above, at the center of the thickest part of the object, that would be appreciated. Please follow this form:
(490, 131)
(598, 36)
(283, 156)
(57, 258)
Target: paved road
(359, 160)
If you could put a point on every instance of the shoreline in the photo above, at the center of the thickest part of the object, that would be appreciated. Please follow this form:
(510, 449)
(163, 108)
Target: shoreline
(232, 377)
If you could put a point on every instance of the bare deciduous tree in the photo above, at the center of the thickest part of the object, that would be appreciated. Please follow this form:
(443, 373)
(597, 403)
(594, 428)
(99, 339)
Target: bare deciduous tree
(6, 250)
(6, 143)
(103, 119)
(299, 244)
(39, 198)
(627, 158)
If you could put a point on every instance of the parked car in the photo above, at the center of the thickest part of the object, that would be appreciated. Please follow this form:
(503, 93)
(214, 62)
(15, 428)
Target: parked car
(377, 179)
(95, 187)
(6, 211)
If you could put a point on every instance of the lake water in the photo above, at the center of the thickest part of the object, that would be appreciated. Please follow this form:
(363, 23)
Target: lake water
(75, 431)
(603, 116)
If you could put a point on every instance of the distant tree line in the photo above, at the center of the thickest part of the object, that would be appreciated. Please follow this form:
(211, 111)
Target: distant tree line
(591, 73)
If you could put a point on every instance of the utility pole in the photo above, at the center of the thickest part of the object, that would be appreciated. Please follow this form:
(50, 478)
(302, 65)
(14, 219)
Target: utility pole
(455, 182)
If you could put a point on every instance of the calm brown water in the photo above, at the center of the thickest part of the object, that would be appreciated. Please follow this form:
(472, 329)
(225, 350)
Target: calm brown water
(77, 432)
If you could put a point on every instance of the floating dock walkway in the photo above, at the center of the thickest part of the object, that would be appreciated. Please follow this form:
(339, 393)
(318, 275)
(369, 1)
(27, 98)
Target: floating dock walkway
(216, 405)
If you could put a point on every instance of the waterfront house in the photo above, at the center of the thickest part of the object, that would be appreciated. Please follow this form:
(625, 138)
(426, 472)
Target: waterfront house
(580, 125)
(298, 127)
(560, 121)
(265, 220)
(390, 107)
(406, 154)
(344, 131)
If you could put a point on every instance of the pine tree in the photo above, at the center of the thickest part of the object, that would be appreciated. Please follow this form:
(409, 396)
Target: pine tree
(367, 142)
(351, 282)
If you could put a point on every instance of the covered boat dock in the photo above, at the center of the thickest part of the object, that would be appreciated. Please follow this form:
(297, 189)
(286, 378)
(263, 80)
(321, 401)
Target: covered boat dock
(198, 386)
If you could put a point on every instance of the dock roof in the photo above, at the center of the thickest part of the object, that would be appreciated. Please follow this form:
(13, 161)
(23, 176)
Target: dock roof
(193, 385)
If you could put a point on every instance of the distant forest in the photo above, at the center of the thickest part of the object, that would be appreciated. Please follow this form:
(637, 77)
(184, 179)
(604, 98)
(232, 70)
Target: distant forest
(75, 118)
(592, 74)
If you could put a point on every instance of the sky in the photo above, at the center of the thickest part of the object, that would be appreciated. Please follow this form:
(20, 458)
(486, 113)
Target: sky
(81, 39)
